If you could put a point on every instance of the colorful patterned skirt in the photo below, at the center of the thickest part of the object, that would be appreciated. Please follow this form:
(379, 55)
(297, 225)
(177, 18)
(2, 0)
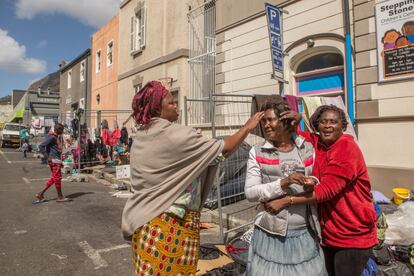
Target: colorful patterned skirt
(167, 245)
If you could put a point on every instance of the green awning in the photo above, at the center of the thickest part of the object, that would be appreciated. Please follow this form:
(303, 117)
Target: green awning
(16, 115)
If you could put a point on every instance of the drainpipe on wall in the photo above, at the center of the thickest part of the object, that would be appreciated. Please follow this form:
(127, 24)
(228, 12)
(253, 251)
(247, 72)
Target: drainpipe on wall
(348, 62)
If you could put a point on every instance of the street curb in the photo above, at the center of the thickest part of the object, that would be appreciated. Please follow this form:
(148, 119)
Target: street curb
(112, 179)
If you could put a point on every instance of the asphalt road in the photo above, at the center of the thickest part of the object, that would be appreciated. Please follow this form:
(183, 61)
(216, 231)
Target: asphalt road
(81, 237)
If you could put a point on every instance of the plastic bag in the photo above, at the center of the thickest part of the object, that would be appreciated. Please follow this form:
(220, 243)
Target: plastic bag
(400, 225)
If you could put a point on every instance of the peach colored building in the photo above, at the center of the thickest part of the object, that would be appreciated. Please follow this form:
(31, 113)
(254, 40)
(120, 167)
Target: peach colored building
(105, 71)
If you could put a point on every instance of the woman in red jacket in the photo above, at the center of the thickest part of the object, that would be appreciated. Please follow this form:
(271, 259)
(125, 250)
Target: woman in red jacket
(346, 213)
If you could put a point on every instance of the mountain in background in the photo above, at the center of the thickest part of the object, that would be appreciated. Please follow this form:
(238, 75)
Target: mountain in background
(5, 100)
(51, 81)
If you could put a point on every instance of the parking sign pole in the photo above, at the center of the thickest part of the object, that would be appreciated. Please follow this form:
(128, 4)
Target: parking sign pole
(274, 24)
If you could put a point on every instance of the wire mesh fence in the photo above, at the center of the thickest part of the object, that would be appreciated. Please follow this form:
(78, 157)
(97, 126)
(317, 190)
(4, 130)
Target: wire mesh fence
(202, 43)
(227, 114)
(216, 115)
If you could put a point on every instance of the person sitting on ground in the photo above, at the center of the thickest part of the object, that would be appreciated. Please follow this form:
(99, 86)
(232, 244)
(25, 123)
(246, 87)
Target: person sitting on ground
(51, 148)
(171, 174)
(346, 212)
(287, 242)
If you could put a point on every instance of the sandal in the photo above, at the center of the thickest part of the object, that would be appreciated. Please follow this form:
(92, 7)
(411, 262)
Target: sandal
(37, 201)
(63, 200)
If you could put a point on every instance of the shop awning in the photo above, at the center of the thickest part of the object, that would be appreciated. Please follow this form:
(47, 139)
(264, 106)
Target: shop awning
(18, 114)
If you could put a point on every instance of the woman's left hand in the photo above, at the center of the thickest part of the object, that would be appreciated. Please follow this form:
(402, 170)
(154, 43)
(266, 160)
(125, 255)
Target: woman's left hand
(309, 184)
(276, 205)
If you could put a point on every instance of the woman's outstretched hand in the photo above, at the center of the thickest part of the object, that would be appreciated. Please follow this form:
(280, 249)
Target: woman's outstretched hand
(254, 120)
(292, 116)
(233, 141)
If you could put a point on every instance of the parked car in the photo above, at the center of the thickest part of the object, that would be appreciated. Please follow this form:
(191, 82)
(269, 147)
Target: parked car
(232, 177)
(9, 135)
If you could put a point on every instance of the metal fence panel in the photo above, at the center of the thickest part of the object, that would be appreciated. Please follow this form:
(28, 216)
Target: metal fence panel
(202, 55)
(217, 115)
(230, 113)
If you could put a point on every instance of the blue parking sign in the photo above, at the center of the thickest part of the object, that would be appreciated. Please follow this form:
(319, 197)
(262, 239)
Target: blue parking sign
(276, 41)
(273, 17)
(274, 23)
(277, 60)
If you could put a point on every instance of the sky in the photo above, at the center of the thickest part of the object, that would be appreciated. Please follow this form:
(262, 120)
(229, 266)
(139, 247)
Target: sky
(36, 35)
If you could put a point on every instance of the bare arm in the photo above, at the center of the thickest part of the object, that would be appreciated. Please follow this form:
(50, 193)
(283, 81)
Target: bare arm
(276, 205)
(232, 142)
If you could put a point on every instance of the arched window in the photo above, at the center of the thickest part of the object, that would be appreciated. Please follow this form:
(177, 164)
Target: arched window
(320, 74)
(320, 61)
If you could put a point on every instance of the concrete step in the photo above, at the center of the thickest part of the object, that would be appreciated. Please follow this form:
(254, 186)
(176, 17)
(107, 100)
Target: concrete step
(234, 215)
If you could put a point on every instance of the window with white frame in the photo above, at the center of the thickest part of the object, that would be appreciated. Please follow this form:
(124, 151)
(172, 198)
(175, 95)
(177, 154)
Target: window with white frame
(320, 74)
(82, 71)
(98, 61)
(109, 50)
(69, 79)
(138, 27)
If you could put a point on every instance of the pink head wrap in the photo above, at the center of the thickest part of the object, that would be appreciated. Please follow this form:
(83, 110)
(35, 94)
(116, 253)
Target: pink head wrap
(146, 104)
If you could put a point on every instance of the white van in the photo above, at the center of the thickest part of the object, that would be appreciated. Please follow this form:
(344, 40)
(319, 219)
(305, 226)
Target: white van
(9, 135)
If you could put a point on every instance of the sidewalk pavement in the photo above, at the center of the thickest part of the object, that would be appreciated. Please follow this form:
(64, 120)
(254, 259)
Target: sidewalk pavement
(234, 215)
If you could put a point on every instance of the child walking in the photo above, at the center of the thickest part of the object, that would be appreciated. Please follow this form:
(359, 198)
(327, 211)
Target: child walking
(25, 148)
(51, 149)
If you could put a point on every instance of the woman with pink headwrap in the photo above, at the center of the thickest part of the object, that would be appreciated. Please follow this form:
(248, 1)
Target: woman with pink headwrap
(172, 170)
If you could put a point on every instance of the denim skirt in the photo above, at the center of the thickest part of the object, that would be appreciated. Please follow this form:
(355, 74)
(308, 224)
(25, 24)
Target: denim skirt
(296, 254)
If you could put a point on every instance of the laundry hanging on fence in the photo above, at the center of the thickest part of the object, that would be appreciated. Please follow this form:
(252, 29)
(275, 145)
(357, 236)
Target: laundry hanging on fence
(124, 136)
(91, 134)
(292, 102)
(111, 138)
(104, 124)
(311, 104)
(75, 127)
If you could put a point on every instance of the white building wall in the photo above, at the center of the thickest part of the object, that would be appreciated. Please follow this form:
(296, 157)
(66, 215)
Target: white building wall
(243, 63)
(243, 52)
(384, 111)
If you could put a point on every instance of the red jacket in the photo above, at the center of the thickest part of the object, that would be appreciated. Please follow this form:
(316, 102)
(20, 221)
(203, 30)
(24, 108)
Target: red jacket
(346, 211)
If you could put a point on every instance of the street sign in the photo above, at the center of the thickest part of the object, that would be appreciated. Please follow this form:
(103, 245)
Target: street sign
(274, 23)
